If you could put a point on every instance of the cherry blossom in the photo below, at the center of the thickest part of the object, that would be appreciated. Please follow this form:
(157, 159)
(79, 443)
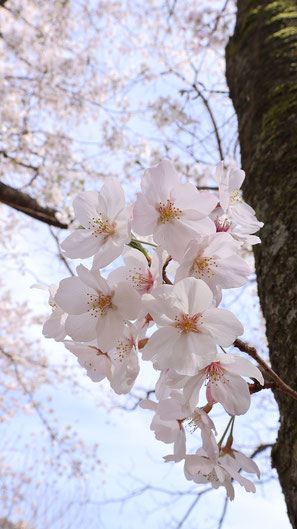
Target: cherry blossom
(189, 327)
(95, 310)
(168, 431)
(54, 326)
(213, 259)
(105, 219)
(173, 212)
(97, 363)
(224, 383)
(137, 271)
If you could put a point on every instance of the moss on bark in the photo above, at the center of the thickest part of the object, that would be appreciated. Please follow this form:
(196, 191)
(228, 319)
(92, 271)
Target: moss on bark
(262, 77)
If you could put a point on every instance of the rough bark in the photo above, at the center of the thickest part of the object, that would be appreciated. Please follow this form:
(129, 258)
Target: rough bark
(22, 202)
(262, 76)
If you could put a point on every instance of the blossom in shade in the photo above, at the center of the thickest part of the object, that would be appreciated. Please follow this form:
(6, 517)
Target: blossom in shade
(172, 211)
(124, 357)
(54, 326)
(213, 259)
(218, 469)
(190, 327)
(168, 431)
(96, 362)
(105, 220)
(95, 310)
(224, 383)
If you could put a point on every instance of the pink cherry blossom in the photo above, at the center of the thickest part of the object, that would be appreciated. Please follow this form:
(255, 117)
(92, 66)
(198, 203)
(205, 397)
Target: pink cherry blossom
(173, 212)
(213, 259)
(124, 357)
(189, 327)
(137, 271)
(96, 362)
(95, 310)
(224, 383)
(106, 222)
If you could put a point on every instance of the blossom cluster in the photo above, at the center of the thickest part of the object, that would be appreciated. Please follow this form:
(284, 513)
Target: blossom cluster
(164, 304)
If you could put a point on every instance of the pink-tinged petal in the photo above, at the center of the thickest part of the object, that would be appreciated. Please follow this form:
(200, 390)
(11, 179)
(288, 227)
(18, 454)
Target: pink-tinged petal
(109, 329)
(93, 279)
(160, 344)
(113, 194)
(81, 328)
(145, 216)
(242, 367)
(244, 482)
(54, 327)
(72, 295)
(184, 359)
(196, 292)
(161, 305)
(198, 203)
(85, 207)
(245, 463)
(127, 300)
(174, 236)
(157, 181)
(223, 326)
(236, 177)
(231, 272)
(80, 243)
(220, 244)
(108, 252)
(232, 392)
(147, 404)
(192, 389)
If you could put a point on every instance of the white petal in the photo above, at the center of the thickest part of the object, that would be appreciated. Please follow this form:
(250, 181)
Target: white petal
(223, 325)
(232, 392)
(85, 207)
(127, 300)
(81, 328)
(80, 243)
(72, 295)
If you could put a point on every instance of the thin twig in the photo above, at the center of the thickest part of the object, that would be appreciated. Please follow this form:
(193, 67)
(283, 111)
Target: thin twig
(164, 274)
(251, 351)
(62, 257)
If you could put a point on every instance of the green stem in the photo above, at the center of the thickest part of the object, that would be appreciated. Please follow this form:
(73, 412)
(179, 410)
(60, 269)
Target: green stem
(225, 432)
(144, 242)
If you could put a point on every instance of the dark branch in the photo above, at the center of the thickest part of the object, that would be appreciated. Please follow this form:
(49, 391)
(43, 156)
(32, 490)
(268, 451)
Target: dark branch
(22, 202)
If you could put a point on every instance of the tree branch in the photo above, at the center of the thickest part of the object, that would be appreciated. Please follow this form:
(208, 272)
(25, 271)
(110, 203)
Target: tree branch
(22, 202)
(251, 351)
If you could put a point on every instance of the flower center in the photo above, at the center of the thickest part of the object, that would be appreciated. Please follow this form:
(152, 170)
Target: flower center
(235, 197)
(101, 226)
(214, 372)
(187, 323)
(222, 224)
(124, 348)
(202, 266)
(168, 211)
(99, 304)
(142, 281)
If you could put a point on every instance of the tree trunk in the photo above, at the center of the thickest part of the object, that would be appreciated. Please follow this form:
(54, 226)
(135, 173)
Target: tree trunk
(262, 76)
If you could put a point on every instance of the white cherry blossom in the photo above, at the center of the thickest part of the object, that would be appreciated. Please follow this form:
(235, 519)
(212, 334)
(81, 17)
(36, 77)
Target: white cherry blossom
(95, 310)
(173, 212)
(189, 327)
(106, 225)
